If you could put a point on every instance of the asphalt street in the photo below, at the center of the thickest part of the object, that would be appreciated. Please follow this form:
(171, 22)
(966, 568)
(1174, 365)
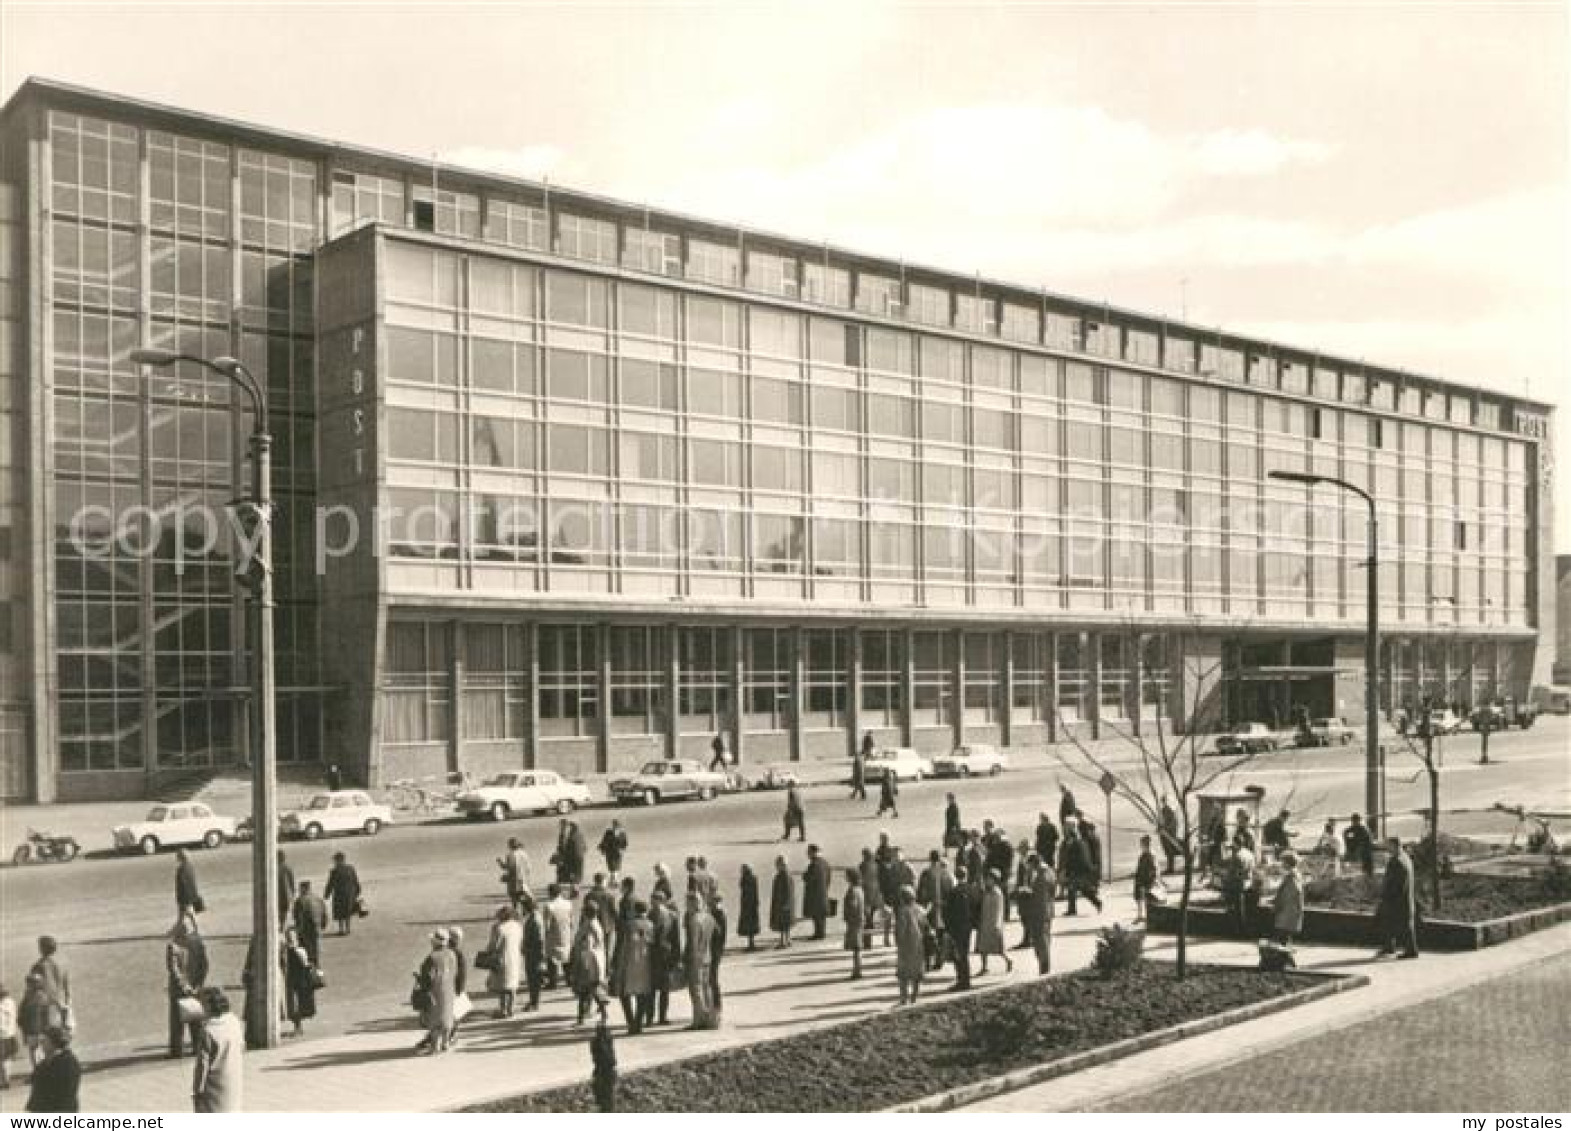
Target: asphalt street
(111, 915)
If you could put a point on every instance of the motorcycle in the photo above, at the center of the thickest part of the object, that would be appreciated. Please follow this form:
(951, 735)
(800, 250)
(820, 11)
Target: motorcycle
(45, 846)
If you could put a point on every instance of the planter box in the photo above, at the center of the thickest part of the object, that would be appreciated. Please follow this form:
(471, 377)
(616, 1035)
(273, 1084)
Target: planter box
(1356, 928)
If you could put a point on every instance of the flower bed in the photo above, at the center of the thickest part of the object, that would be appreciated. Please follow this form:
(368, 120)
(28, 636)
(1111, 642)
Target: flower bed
(903, 1055)
(1468, 897)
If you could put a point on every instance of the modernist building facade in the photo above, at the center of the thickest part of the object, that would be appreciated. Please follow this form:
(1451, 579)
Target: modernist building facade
(568, 482)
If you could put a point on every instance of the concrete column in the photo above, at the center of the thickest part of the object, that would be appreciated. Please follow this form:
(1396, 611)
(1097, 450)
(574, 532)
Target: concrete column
(1091, 652)
(798, 650)
(1006, 722)
(1050, 686)
(455, 689)
(957, 688)
(673, 686)
(908, 685)
(738, 690)
(532, 697)
(603, 700)
(1134, 689)
(853, 690)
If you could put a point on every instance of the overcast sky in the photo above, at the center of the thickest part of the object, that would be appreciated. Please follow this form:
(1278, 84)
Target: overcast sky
(1385, 182)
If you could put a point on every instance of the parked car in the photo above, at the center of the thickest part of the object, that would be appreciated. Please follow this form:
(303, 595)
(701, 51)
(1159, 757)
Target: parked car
(1553, 700)
(523, 791)
(1251, 738)
(336, 811)
(973, 758)
(1327, 732)
(902, 761)
(170, 826)
(1444, 722)
(664, 781)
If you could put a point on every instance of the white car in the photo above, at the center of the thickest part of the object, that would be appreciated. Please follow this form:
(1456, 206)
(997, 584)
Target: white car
(523, 791)
(902, 761)
(975, 758)
(169, 826)
(662, 781)
(339, 811)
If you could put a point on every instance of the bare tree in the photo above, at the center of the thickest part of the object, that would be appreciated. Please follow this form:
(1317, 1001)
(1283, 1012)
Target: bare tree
(1167, 765)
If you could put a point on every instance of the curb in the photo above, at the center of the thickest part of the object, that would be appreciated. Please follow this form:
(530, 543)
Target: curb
(1027, 1077)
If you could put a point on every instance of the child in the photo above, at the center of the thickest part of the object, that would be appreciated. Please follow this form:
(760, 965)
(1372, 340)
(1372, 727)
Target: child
(1145, 879)
(9, 1045)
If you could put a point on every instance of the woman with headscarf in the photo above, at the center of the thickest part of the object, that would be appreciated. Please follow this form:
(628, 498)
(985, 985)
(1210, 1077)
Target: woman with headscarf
(990, 927)
(506, 948)
(782, 904)
(747, 924)
(342, 892)
(587, 967)
(438, 983)
(910, 955)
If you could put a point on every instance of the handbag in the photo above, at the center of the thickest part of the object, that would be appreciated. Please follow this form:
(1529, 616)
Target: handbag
(318, 979)
(190, 1009)
(834, 907)
(362, 909)
(485, 960)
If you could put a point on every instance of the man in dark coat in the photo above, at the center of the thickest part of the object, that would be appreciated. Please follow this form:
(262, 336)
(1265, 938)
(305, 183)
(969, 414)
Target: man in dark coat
(888, 792)
(1358, 845)
(342, 892)
(1091, 875)
(188, 896)
(286, 888)
(1066, 804)
(1036, 911)
(815, 891)
(310, 921)
(717, 950)
(858, 776)
(971, 857)
(1168, 829)
(601, 903)
(1396, 918)
(954, 831)
(185, 964)
(1000, 859)
(665, 956)
(717, 761)
(959, 922)
(613, 846)
(1046, 839)
(534, 950)
(795, 815)
(57, 1079)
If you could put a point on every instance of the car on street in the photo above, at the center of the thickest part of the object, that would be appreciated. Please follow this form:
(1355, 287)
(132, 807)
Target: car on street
(1444, 722)
(902, 761)
(173, 826)
(971, 759)
(336, 811)
(523, 791)
(1327, 732)
(667, 781)
(1251, 738)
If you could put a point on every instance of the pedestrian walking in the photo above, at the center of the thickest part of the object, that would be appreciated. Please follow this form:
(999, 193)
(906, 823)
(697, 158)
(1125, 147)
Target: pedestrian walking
(954, 831)
(815, 891)
(613, 846)
(185, 965)
(718, 762)
(717, 942)
(1329, 847)
(188, 894)
(747, 923)
(343, 893)
(662, 884)
(1172, 840)
(286, 888)
(782, 904)
(633, 980)
(534, 950)
(46, 998)
(1145, 879)
(626, 899)
(218, 1080)
(1090, 880)
(57, 1076)
(888, 792)
(1358, 845)
(1000, 862)
(1396, 916)
(665, 956)
(505, 948)
(437, 993)
(1237, 875)
(853, 910)
(1275, 836)
(708, 883)
(878, 912)
(971, 856)
(602, 1054)
(335, 777)
(569, 854)
(1287, 907)
(990, 927)
(1068, 810)
(461, 1002)
(310, 920)
(299, 983)
(1046, 839)
(558, 920)
(600, 905)
(515, 867)
(587, 969)
(910, 950)
(795, 815)
(697, 961)
(1036, 912)
(959, 920)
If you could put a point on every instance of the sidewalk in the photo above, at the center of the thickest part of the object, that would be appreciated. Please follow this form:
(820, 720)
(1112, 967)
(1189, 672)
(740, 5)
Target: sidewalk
(768, 994)
(1190, 1071)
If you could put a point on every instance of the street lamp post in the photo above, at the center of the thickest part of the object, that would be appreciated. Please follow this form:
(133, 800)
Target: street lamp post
(1374, 758)
(264, 989)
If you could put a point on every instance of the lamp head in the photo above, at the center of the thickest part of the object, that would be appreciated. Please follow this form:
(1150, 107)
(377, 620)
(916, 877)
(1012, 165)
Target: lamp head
(154, 357)
(1295, 477)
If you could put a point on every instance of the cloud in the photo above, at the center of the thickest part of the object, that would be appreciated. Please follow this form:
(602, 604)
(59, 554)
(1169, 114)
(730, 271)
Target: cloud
(1253, 153)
